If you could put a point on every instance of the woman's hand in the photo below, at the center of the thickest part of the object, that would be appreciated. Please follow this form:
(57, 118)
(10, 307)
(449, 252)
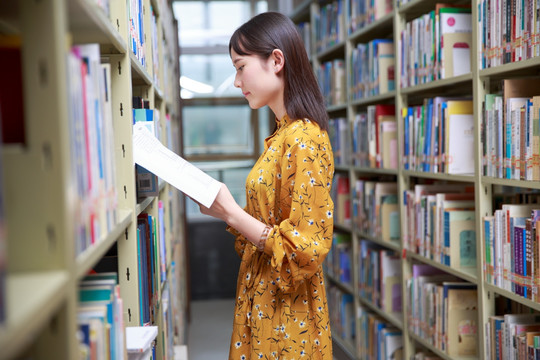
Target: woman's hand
(223, 206)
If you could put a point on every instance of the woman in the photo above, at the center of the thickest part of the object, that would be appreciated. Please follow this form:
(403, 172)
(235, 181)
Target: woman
(285, 231)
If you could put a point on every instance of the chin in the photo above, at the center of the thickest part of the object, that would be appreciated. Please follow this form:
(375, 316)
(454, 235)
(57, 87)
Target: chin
(254, 106)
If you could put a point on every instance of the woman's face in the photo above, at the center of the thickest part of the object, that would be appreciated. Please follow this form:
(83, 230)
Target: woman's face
(259, 81)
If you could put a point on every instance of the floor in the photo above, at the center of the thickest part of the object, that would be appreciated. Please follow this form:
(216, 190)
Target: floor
(210, 329)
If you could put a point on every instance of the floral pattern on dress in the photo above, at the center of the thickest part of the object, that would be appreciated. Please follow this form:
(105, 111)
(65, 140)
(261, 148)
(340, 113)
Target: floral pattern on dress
(281, 310)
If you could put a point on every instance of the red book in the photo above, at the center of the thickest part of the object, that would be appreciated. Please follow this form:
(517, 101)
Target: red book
(11, 95)
(381, 111)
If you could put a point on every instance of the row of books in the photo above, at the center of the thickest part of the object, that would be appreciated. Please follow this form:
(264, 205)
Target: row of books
(167, 329)
(341, 196)
(151, 259)
(372, 69)
(361, 13)
(304, 29)
(508, 31)
(443, 311)
(439, 136)
(92, 148)
(341, 308)
(329, 25)
(440, 223)
(511, 131)
(339, 131)
(155, 46)
(510, 240)
(374, 138)
(436, 45)
(100, 318)
(136, 30)
(376, 209)
(332, 82)
(338, 263)
(378, 340)
(379, 277)
(513, 337)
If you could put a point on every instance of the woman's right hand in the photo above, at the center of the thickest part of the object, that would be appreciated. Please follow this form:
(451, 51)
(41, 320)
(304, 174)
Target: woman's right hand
(223, 206)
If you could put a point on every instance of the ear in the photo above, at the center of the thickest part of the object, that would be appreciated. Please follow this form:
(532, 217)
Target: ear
(278, 60)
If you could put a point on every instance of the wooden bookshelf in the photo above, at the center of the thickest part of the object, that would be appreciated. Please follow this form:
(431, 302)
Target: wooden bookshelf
(43, 270)
(473, 85)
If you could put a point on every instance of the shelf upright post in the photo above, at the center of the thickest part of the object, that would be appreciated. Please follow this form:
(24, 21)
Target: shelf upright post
(38, 172)
(122, 92)
(483, 192)
(403, 180)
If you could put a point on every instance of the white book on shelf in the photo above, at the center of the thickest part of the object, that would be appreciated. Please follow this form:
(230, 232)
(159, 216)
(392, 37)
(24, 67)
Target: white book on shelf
(461, 144)
(139, 338)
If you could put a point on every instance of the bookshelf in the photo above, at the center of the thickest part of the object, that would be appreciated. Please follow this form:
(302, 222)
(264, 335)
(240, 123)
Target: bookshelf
(389, 21)
(43, 211)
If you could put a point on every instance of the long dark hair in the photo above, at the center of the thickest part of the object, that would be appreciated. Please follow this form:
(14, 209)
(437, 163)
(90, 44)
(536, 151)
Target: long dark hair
(272, 30)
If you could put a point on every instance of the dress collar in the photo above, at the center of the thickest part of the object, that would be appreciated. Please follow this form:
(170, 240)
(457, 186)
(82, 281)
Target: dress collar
(283, 121)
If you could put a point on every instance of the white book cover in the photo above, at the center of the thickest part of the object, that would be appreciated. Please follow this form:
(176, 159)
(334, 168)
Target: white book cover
(461, 144)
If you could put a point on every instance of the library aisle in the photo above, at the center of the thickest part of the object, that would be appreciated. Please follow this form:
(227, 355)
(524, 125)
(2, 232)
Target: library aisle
(210, 328)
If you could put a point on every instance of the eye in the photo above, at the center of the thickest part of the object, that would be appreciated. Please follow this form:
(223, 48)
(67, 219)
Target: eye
(240, 68)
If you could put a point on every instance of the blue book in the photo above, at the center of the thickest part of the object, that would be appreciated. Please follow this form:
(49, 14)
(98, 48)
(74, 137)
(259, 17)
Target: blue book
(427, 142)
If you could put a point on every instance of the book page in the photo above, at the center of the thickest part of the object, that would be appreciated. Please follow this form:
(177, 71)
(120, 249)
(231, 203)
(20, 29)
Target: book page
(149, 153)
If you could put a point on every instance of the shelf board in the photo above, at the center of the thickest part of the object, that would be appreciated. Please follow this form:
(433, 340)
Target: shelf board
(391, 245)
(336, 108)
(301, 12)
(88, 23)
(361, 169)
(143, 205)
(511, 69)
(345, 346)
(416, 8)
(344, 228)
(332, 51)
(344, 287)
(510, 182)
(91, 256)
(376, 99)
(343, 168)
(392, 318)
(139, 73)
(32, 299)
(158, 93)
(438, 352)
(467, 274)
(381, 28)
(510, 295)
(439, 85)
(439, 176)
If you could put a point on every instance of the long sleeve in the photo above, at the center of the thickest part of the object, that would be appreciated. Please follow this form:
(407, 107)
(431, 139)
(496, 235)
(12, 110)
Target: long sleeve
(300, 242)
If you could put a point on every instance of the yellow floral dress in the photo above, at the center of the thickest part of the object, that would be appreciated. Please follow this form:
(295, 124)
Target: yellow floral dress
(281, 310)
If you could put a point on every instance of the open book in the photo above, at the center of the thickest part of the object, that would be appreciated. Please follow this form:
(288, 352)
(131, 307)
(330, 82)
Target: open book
(149, 153)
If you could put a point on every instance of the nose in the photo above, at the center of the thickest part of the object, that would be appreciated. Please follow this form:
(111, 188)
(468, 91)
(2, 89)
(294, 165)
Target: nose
(236, 81)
